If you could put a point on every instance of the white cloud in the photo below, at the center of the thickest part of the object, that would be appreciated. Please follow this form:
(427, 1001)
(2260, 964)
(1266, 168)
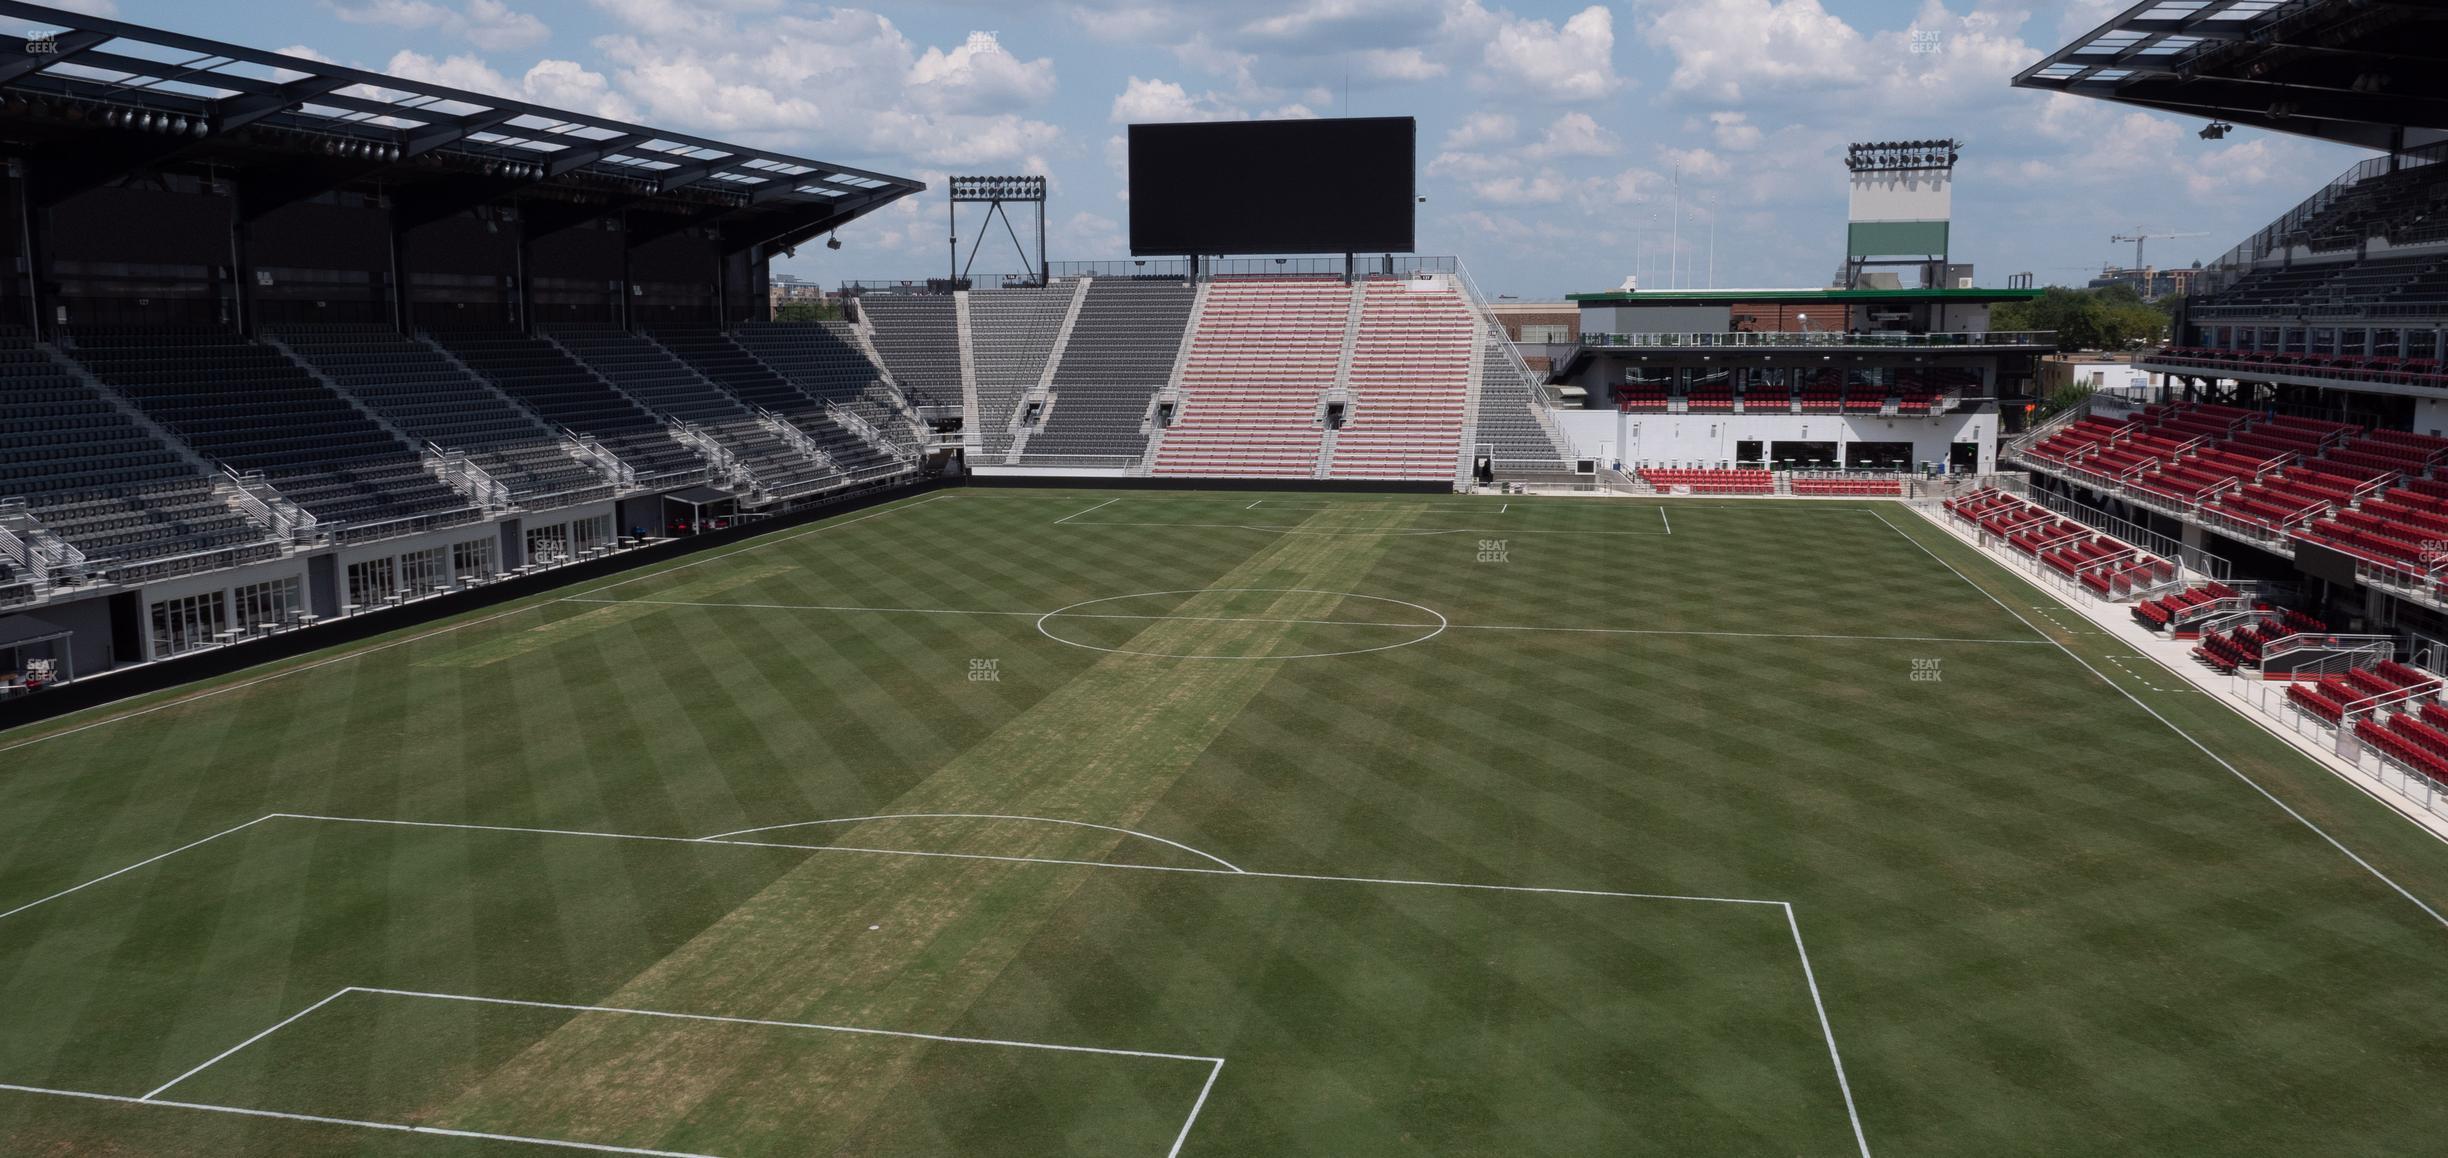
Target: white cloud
(978, 76)
(488, 24)
(1466, 164)
(1090, 233)
(1624, 188)
(1540, 189)
(826, 82)
(1574, 62)
(1575, 134)
(1154, 100)
(1697, 164)
(1151, 100)
(1734, 131)
(1410, 63)
(1720, 47)
(1481, 129)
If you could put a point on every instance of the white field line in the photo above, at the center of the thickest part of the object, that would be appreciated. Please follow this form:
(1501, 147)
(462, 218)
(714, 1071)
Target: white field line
(1378, 534)
(1067, 614)
(1323, 622)
(2359, 781)
(1195, 1107)
(396, 1127)
(1808, 976)
(2137, 701)
(1100, 506)
(1666, 522)
(1827, 1031)
(533, 831)
(366, 651)
(761, 544)
(245, 684)
(977, 816)
(1748, 634)
(131, 868)
(165, 1086)
(758, 1021)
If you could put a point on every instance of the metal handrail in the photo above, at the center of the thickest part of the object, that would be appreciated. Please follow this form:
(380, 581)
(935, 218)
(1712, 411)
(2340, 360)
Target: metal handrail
(1815, 339)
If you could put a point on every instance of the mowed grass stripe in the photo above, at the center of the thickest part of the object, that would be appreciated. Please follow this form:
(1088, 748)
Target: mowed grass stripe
(1101, 747)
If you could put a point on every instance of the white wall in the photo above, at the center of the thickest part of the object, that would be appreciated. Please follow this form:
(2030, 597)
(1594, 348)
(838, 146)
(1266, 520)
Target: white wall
(1708, 439)
(2430, 416)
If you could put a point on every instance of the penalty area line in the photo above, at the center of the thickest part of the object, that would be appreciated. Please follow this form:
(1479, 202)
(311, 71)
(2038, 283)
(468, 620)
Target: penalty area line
(317, 1119)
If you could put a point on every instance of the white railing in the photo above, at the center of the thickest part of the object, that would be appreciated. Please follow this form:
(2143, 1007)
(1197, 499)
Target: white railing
(857, 424)
(254, 496)
(1542, 395)
(726, 466)
(2022, 443)
(584, 448)
(1819, 339)
(460, 473)
(794, 437)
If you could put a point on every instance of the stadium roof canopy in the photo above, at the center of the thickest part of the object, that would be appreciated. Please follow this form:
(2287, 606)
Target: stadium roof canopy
(98, 99)
(2354, 71)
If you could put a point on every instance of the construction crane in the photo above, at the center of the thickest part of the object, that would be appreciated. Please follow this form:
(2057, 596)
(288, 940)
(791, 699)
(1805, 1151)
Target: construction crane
(2138, 237)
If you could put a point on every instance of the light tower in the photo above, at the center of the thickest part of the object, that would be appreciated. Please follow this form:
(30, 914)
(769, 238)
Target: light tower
(1898, 214)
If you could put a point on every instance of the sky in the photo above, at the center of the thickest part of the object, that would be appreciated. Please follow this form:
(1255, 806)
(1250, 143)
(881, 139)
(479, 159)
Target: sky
(1553, 137)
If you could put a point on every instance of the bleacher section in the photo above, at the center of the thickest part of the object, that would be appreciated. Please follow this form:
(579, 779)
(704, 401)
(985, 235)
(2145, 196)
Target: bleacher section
(420, 392)
(1011, 333)
(2364, 692)
(728, 364)
(2414, 733)
(2238, 645)
(1710, 482)
(919, 339)
(1263, 355)
(663, 383)
(213, 389)
(1885, 488)
(2168, 611)
(1410, 382)
(824, 360)
(561, 391)
(2273, 477)
(2110, 568)
(98, 480)
(1122, 351)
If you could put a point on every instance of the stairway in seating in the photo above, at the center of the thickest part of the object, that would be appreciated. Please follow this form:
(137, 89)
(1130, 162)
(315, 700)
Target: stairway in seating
(1263, 353)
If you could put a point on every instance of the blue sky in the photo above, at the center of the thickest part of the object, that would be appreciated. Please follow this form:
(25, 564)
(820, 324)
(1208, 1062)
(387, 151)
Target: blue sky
(1550, 133)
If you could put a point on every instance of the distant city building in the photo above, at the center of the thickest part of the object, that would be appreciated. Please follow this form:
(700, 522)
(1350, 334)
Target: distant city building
(2151, 283)
(786, 288)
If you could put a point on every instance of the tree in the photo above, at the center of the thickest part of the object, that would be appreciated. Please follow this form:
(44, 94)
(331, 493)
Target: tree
(2111, 317)
(816, 311)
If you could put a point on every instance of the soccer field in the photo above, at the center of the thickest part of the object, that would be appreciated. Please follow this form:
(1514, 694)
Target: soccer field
(1061, 823)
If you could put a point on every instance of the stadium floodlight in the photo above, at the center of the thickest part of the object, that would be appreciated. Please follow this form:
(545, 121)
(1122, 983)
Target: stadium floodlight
(2216, 130)
(833, 242)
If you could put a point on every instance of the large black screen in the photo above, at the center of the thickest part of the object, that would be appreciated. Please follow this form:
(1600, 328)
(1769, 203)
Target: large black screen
(1313, 186)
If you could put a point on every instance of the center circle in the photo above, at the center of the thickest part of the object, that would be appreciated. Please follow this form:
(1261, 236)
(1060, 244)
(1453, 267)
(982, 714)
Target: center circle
(1431, 630)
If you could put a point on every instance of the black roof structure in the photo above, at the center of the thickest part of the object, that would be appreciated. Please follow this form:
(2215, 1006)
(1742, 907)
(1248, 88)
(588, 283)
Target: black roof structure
(96, 99)
(2359, 72)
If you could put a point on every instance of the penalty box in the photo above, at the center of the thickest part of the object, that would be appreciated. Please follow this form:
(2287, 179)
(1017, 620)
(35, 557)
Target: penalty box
(485, 980)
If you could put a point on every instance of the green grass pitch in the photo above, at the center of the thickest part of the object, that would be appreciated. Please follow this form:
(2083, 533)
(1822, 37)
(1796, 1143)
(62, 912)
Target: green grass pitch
(1062, 823)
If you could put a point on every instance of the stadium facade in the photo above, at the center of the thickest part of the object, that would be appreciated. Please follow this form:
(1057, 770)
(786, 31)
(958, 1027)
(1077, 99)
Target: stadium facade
(2296, 462)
